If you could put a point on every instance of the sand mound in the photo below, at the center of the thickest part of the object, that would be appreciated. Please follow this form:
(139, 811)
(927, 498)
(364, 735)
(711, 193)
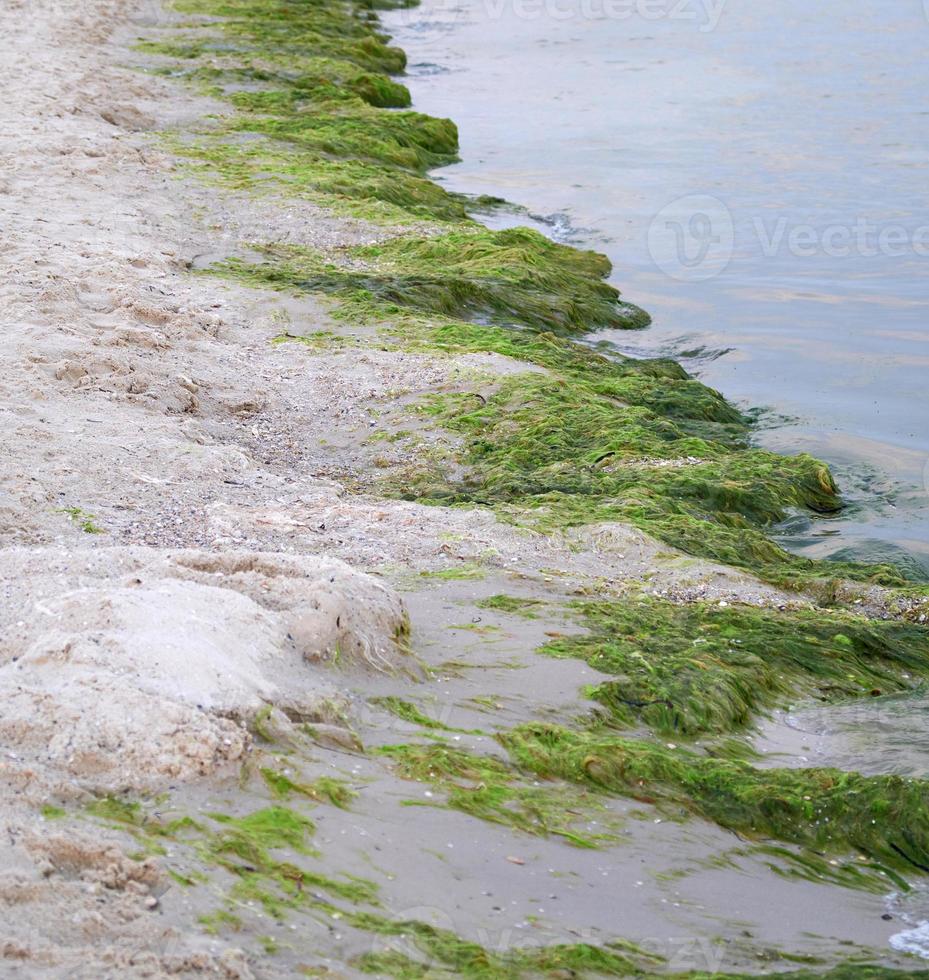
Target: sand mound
(142, 667)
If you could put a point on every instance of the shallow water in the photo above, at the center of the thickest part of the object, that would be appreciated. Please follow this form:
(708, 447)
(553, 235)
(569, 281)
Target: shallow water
(756, 170)
(872, 736)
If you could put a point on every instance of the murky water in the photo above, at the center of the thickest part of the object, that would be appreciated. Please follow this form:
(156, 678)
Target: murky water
(757, 171)
(872, 736)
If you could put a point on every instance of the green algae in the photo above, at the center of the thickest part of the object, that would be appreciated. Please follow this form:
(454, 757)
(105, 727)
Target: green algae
(514, 605)
(317, 340)
(250, 838)
(556, 453)
(259, 724)
(326, 789)
(404, 139)
(593, 438)
(313, 127)
(287, 88)
(448, 954)
(117, 810)
(704, 668)
(188, 880)
(149, 831)
(598, 439)
(187, 50)
(86, 522)
(583, 961)
(807, 866)
(489, 789)
(308, 84)
(856, 831)
(587, 454)
(878, 818)
(214, 922)
(357, 187)
(515, 276)
(407, 711)
(845, 971)
(246, 846)
(458, 573)
(283, 31)
(484, 629)
(278, 888)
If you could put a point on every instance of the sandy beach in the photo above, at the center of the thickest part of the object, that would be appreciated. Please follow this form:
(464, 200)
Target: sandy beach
(231, 648)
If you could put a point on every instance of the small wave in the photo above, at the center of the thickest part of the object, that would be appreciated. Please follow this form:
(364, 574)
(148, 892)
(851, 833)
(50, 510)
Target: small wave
(559, 228)
(424, 69)
(703, 354)
(915, 940)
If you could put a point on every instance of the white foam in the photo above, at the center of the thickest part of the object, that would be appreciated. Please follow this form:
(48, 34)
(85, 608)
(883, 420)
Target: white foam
(915, 940)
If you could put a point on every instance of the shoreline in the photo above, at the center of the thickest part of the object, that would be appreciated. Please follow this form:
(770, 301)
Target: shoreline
(318, 508)
(591, 145)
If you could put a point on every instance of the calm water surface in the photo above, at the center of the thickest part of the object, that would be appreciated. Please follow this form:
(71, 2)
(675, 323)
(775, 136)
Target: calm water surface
(757, 172)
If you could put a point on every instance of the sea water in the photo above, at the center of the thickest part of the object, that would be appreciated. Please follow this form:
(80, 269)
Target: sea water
(758, 172)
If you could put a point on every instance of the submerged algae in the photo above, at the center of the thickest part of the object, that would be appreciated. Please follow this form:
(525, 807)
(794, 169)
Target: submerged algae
(407, 711)
(453, 956)
(880, 819)
(581, 960)
(698, 668)
(490, 789)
